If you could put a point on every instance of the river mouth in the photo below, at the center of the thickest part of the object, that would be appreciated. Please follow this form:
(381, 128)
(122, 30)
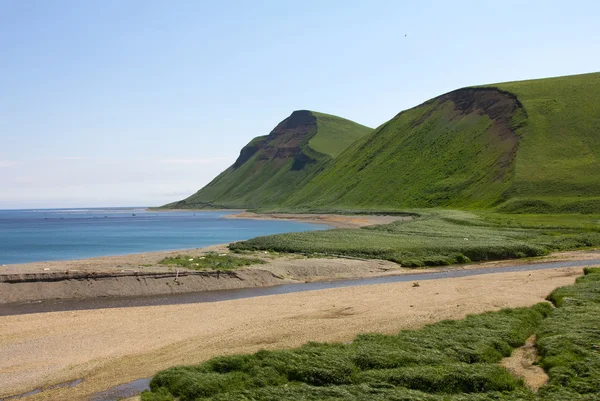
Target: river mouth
(226, 295)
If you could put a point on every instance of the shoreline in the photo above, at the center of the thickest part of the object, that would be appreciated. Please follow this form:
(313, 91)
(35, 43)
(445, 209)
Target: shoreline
(159, 210)
(333, 220)
(140, 275)
(102, 346)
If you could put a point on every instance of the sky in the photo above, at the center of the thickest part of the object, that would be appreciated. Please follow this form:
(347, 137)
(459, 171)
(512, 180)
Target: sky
(143, 102)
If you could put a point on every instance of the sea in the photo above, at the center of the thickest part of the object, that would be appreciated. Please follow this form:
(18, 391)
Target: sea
(35, 235)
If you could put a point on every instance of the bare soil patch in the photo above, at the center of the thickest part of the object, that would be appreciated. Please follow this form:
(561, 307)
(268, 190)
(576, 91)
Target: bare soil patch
(521, 364)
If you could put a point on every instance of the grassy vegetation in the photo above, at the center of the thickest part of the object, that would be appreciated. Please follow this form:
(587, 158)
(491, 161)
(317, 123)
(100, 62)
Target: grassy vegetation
(449, 360)
(550, 206)
(209, 260)
(442, 237)
(271, 167)
(335, 134)
(544, 221)
(424, 157)
(559, 151)
(569, 341)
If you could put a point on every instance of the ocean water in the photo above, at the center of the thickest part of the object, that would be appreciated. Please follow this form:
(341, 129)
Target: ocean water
(61, 234)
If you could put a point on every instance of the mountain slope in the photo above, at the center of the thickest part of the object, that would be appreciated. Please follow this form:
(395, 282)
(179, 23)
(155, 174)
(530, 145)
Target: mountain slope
(438, 154)
(271, 167)
(527, 146)
(558, 161)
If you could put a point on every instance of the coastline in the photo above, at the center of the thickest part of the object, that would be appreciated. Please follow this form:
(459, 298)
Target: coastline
(141, 274)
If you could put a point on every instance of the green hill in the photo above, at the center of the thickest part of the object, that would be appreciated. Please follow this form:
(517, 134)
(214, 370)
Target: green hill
(271, 167)
(530, 146)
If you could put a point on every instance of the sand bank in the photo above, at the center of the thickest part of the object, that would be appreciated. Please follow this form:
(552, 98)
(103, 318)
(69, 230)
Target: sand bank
(141, 274)
(334, 220)
(107, 347)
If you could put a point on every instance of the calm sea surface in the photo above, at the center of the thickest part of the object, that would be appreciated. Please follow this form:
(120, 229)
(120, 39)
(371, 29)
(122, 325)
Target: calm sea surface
(60, 234)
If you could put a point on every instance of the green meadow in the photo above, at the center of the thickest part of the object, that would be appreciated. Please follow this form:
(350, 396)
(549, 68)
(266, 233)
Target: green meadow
(443, 237)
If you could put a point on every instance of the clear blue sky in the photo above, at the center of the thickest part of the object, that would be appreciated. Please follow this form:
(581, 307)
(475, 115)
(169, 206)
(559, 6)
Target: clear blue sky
(143, 102)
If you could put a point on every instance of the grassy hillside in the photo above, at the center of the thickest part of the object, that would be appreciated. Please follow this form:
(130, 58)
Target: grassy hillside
(534, 145)
(441, 153)
(449, 360)
(557, 166)
(518, 147)
(271, 167)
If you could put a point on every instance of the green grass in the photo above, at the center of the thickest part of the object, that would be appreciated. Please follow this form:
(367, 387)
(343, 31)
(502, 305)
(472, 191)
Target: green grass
(441, 237)
(544, 205)
(559, 152)
(424, 157)
(335, 134)
(569, 340)
(545, 221)
(449, 360)
(210, 261)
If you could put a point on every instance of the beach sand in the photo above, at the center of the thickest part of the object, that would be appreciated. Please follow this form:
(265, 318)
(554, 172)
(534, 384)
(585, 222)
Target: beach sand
(107, 347)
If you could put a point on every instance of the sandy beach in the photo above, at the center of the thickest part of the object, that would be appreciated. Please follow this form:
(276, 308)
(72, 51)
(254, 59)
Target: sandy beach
(334, 220)
(108, 347)
(148, 261)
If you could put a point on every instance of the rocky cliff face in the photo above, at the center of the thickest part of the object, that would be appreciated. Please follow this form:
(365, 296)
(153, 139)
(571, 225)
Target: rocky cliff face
(283, 142)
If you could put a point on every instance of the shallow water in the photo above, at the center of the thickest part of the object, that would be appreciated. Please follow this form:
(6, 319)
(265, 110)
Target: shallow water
(61, 234)
(121, 391)
(39, 390)
(225, 295)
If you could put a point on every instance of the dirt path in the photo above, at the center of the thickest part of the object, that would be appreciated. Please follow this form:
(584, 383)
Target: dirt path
(107, 347)
(521, 364)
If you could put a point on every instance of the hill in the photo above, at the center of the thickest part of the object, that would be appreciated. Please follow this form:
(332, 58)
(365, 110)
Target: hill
(529, 146)
(271, 167)
(518, 147)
